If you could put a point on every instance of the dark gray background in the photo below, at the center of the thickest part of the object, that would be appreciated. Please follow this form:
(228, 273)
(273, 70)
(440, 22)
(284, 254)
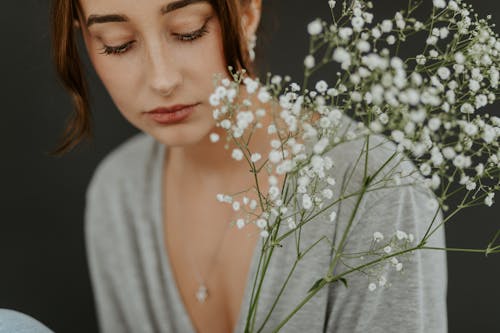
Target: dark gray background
(43, 269)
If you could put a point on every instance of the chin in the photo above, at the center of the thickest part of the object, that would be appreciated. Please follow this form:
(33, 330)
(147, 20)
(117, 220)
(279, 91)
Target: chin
(182, 135)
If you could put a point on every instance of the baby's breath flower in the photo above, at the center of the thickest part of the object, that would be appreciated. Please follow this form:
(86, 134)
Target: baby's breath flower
(470, 185)
(345, 33)
(237, 154)
(261, 223)
(444, 73)
(321, 86)
(251, 85)
(253, 204)
(315, 27)
(378, 236)
(435, 181)
(453, 5)
(474, 85)
(275, 156)
(439, 3)
(401, 235)
(240, 223)
(443, 32)
(397, 135)
(425, 169)
(386, 26)
(421, 59)
(226, 124)
(376, 33)
(214, 99)
(332, 216)
(488, 201)
(327, 193)
(467, 108)
(357, 23)
(255, 157)
(433, 54)
(343, 57)
(306, 201)
(214, 137)
(309, 61)
(264, 95)
(372, 286)
(320, 146)
(382, 280)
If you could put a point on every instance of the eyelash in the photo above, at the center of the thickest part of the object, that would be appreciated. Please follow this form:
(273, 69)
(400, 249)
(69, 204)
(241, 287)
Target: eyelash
(190, 37)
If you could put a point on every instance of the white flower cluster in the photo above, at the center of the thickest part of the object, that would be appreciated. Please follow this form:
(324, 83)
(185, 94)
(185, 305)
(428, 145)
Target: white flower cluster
(432, 105)
(398, 242)
(423, 106)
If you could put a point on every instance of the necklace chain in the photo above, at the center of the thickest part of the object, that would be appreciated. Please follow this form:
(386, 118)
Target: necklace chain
(202, 291)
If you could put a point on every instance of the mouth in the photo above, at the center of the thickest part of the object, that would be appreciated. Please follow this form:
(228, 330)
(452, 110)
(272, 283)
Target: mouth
(171, 109)
(171, 115)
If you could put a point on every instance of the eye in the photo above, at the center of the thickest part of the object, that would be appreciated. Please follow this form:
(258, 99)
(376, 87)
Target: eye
(116, 49)
(190, 37)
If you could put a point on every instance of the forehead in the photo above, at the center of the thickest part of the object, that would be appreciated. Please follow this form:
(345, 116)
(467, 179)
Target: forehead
(125, 8)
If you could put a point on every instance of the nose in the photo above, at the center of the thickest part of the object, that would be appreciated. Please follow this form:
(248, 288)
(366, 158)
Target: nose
(164, 74)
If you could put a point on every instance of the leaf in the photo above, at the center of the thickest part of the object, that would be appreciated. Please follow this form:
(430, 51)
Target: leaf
(315, 285)
(344, 281)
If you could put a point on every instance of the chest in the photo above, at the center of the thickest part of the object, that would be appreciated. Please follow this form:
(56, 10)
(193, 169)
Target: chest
(201, 244)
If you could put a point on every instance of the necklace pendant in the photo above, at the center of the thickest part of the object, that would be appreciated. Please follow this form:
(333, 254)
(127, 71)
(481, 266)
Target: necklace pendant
(202, 293)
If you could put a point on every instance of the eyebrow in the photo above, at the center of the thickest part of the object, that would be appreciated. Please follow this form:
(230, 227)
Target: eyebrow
(174, 5)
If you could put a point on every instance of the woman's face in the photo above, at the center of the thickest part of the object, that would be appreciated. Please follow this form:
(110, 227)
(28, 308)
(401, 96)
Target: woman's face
(152, 54)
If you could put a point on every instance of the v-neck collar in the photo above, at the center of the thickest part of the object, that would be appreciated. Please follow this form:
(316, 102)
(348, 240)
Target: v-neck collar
(164, 258)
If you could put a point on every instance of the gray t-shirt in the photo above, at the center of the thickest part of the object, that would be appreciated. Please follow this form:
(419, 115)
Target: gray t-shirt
(134, 286)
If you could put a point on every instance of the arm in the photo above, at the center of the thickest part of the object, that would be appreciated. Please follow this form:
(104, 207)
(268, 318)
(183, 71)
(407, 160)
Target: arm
(14, 321)
(97, 215)
(415, 301)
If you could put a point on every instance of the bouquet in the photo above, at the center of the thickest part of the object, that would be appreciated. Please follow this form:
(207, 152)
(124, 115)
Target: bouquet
(429, 107)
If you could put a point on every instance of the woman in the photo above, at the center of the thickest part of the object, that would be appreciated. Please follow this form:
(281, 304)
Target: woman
(162, 257)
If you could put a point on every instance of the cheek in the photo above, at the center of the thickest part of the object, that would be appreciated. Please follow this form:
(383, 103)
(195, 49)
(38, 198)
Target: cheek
(118, 79)
(205, 61)
(115, 75)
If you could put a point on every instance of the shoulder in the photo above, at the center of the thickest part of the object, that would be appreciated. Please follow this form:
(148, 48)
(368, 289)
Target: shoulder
(384, 160)
(396, 197)
(14, 321)
(124, 163)
(115, 198)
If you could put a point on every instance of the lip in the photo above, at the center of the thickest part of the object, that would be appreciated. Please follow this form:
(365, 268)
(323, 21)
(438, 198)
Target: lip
(170, 109)
(171, 115)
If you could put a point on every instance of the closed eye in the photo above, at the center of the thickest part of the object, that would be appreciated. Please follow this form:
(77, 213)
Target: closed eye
(189, 37)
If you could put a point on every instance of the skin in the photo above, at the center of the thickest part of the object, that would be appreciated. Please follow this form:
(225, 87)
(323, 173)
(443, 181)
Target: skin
(160, 70)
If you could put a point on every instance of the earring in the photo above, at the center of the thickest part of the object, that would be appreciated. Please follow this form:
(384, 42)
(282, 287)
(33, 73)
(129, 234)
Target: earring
(252, 42)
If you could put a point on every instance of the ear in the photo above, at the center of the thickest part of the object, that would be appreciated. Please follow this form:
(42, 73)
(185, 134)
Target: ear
(251, 17)
(76, 24)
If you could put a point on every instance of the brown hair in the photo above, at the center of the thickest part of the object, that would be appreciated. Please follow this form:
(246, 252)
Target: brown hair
(70, 71)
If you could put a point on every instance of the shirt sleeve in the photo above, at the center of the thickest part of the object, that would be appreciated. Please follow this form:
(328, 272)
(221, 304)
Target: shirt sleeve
(413, 299)
(110, 314)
